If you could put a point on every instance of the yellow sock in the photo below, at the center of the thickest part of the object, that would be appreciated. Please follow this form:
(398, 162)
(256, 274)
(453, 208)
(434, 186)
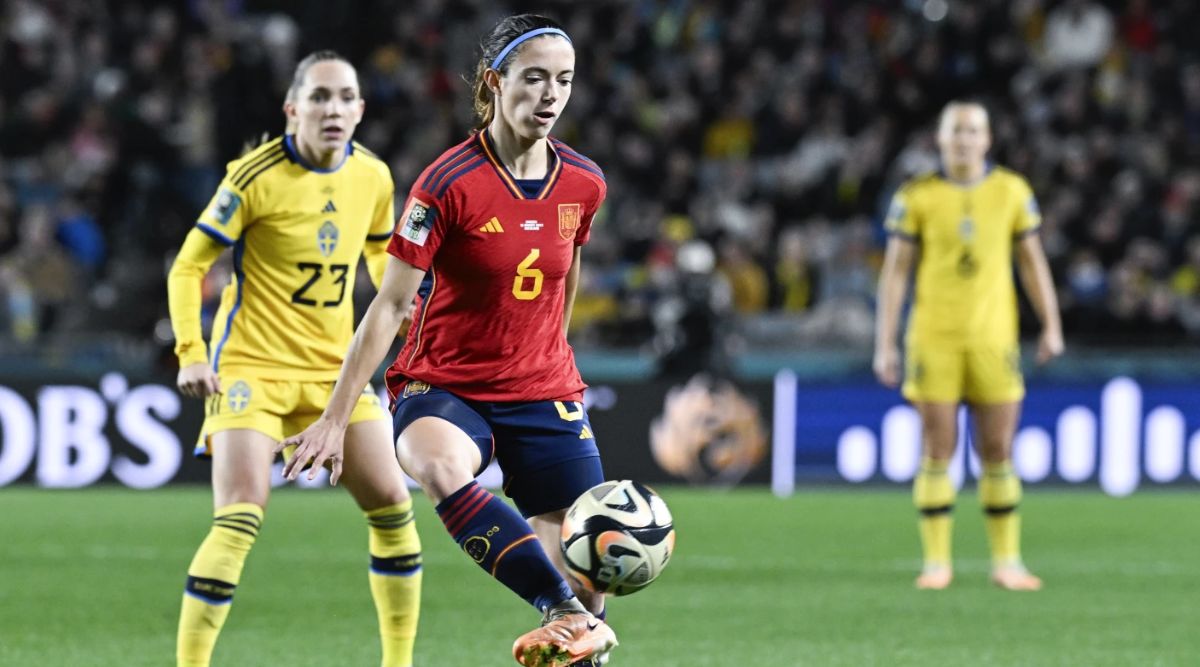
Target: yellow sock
(933, 494)
(212, 578)
(395, 578)
(1000, 493)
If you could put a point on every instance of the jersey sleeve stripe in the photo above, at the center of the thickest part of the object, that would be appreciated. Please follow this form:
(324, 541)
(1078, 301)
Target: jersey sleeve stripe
(247, 180)
(439, 170)
(584, 166)
(265, 153)
(435, 184)
(578, 157)
(902, 235)
(1028, 232)
(379, 237)
(240, 274)
(215, 235)
(459, 173)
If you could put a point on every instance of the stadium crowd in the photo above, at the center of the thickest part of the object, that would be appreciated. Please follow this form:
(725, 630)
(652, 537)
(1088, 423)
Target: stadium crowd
(750, 147)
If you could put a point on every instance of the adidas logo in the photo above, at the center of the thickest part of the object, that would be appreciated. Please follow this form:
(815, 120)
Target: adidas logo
(492, 226)
(586, 433)
(329, 207)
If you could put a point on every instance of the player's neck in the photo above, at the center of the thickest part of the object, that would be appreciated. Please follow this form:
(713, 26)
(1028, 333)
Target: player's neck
(966, 174)
(318, 159)
(523, 158)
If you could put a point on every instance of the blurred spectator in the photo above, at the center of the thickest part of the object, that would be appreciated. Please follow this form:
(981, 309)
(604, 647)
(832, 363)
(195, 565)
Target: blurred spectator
(746, 277)
(772, 131)
(40, 270)
(794, 282)
(1079, 33)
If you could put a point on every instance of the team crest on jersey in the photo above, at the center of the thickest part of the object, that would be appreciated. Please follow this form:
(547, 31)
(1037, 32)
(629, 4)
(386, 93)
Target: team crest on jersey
(238, 396)
(225, 205)
(416, 387)
(569, 216)
(418, 220)
(966, 230)
(327, 238)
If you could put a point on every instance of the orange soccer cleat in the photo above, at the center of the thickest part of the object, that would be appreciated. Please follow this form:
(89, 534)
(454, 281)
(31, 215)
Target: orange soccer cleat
(1015, 578)
(565, 639)
(934, 578)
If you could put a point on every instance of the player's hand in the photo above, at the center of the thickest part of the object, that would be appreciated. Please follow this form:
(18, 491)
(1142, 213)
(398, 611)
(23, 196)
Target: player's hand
(1050, 345)
(887, 366)
(321, 443)
(198, 381)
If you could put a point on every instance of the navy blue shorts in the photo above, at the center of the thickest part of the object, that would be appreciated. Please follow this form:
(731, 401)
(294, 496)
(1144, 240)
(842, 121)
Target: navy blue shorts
(545, 449)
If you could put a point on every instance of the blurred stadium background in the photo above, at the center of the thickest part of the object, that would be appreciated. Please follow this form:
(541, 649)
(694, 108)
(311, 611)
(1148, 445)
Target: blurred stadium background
(724, 319)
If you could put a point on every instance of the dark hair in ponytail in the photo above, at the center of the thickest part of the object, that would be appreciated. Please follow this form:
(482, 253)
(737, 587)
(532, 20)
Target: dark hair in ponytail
(490, 47)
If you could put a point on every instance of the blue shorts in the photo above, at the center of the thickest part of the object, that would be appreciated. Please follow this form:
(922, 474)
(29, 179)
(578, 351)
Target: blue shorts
(545, 449)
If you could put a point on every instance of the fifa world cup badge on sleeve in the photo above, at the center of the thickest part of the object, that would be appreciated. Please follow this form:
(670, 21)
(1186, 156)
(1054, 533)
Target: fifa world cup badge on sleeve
(418, 220)
(226, 204)
(568, 219)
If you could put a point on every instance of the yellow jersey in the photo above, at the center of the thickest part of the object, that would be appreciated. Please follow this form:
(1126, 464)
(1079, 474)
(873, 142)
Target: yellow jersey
(297, 233)
(964, 291)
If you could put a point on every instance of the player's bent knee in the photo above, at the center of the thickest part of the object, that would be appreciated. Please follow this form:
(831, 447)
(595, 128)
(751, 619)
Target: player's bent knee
(994, 451)
(441, 476)
(241, 494)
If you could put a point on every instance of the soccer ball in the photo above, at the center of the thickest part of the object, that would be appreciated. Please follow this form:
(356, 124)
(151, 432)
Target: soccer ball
(617, 537)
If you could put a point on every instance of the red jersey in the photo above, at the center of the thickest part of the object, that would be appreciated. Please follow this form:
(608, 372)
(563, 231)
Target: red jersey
(488, 323)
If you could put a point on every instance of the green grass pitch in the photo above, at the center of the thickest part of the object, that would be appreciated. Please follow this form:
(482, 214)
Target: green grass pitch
(93, 578)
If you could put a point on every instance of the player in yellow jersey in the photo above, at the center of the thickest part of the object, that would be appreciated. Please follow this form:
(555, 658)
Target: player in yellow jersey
(298, 211)
(960, 227)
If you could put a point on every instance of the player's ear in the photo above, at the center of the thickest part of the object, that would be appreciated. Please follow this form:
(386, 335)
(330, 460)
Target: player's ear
(491, 79)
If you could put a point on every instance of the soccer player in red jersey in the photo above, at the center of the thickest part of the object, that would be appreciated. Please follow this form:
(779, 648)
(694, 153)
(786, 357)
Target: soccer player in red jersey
(489, 243)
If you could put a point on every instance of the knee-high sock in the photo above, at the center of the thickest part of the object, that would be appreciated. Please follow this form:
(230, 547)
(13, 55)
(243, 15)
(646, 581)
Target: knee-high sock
(1000, 493)
(933, 494)
(212, 578)
(496, 537)
(395, 577)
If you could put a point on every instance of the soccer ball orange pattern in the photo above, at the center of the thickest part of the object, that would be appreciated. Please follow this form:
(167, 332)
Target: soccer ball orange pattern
(617, 537)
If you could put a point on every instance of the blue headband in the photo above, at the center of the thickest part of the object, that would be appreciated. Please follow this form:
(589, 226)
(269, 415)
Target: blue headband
(529, 35)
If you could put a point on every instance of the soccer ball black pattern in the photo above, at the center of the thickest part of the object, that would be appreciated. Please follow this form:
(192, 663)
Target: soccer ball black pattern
(617, 537)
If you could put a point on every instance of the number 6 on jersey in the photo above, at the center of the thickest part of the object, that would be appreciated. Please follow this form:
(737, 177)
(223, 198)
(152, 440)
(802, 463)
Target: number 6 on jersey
(524, 271)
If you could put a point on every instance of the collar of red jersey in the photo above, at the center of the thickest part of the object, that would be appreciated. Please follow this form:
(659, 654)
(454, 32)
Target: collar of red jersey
(510, 181)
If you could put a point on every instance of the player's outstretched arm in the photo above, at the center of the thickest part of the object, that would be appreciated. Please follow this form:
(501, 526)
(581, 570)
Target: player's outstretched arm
(322, 441)
(184, 286)
(1038, 282)
(893, 286)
